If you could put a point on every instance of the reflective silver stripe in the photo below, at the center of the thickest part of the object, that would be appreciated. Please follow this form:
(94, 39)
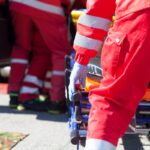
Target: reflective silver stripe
(87, 43)
(49, 74)
(97, 144)
(47, 85)
(34, 80)
(59, 73)
(94, 22)
(19, 61)
(26, 89)
(42, 6)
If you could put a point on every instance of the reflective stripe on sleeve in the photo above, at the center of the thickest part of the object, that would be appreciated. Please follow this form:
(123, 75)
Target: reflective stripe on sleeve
(87, 43)
(94, 22)
(42, 6)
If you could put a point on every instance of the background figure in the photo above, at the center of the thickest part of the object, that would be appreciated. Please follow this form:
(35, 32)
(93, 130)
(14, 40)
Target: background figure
(29, 49)
(45, 25)
(124, 60)
(35, 75)
(20, 54)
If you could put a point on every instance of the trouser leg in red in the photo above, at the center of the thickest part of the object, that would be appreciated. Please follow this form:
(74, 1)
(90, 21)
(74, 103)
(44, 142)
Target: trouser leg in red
(56, 37)
(22, 47)
(125, 62)
(57, 92)
(47, 81)
(33, 81)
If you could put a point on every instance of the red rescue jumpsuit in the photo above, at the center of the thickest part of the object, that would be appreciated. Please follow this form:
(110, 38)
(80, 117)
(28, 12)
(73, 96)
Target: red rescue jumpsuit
(46, 17)
(125, 60)
(76, 4)
(47, 86)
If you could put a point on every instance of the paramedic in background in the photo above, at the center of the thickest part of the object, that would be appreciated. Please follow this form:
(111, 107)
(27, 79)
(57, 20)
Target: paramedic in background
(124, 59)
(75, 5)
(41, 32)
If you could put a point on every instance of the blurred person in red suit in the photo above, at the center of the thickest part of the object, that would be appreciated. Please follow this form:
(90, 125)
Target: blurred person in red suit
(41, 32)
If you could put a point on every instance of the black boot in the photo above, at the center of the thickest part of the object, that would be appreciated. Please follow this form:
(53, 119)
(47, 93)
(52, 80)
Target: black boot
(14, 102)
(58, 107)
(33, 104)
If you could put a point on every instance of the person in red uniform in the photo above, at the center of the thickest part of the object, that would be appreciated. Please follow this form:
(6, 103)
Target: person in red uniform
(124, 60)
(40, 27)
(74, 4)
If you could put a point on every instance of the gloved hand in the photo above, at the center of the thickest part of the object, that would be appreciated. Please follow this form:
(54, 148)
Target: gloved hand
(78, 75)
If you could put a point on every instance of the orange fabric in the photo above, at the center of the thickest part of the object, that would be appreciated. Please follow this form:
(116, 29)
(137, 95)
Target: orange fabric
(90, 84)
(147, 95)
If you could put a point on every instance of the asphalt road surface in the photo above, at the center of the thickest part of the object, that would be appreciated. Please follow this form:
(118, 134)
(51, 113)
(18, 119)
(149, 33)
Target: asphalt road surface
(51, 132)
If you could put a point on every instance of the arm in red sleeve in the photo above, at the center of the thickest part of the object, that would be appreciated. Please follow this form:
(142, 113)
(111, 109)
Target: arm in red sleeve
(92, 27)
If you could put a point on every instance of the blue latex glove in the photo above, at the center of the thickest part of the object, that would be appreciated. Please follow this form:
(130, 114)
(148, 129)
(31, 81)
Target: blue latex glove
(78, 76)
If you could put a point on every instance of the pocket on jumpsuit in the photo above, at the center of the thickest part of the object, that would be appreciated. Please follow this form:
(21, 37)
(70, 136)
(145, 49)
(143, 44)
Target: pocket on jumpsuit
(112, 54)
